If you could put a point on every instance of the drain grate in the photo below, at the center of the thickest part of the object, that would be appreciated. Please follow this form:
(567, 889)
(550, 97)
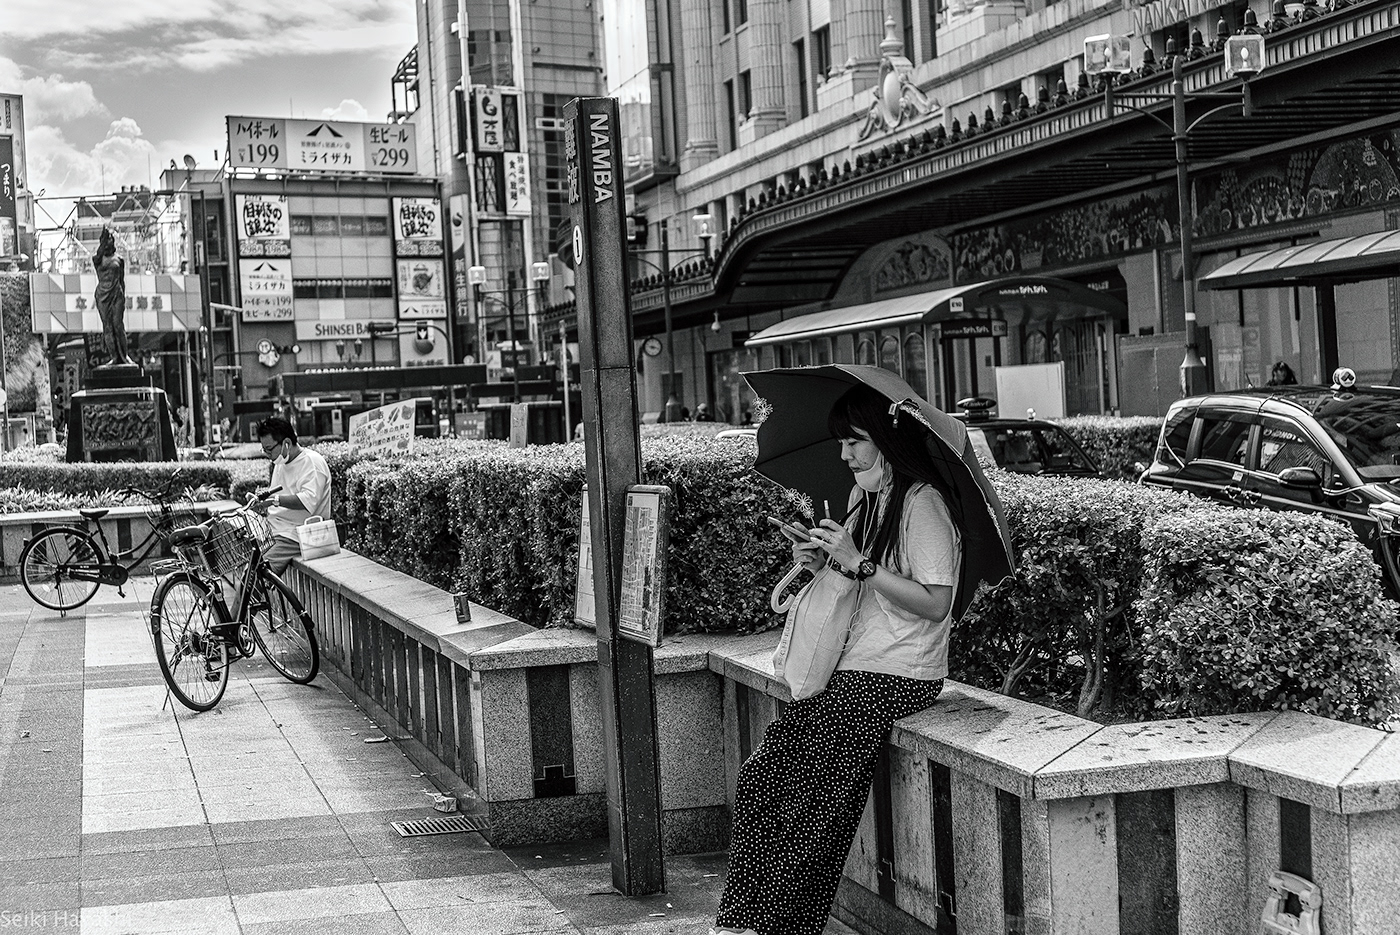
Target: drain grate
(451, 825)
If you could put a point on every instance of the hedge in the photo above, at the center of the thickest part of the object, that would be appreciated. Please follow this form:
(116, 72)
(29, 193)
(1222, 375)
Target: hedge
(94, 477)
(1116, 443)
(1264, 611)
(1088, 623)
(25, 500)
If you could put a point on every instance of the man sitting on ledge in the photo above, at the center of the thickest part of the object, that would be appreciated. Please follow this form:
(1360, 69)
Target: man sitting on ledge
(304, 480)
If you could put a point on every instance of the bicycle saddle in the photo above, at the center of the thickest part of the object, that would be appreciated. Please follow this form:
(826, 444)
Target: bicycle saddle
(190, 534)
(93, 515)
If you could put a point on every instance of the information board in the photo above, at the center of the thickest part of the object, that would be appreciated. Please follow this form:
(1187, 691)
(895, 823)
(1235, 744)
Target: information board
(584, 613)
(645, 536)
(386, 430)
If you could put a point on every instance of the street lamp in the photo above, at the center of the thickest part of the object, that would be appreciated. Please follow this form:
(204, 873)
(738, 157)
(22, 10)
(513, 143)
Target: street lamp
(1244, 57)
(476, 275)
(701, 224)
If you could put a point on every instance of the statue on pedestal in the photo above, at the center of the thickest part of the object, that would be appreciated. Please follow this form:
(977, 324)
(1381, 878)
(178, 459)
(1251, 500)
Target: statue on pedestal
(110, 297)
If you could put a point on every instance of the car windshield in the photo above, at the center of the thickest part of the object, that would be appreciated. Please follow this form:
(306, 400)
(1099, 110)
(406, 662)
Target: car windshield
(1029, 450)
(1366, 428)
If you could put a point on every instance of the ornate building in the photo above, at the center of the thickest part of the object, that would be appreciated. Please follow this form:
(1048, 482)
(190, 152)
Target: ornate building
(863, 180)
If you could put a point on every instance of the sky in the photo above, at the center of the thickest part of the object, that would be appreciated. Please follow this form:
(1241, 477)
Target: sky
(116, 89)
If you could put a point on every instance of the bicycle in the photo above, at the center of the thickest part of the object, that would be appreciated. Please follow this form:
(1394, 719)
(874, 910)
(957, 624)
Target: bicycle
(197, 636)
(63, 566)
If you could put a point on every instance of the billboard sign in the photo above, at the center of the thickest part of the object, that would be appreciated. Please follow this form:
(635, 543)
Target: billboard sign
(490, 130)
(417, 227)
(322, 146)
(384, 431)
(422, 292)
(63, 303)
(9, 199)
(517, 185)
(265, 289)
(264, 226)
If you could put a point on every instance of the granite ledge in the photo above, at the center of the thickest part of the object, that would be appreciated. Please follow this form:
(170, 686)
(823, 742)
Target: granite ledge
(1374, 785)
(1001, 741)
(1304, 758)
(1148, 755)
(134, 511)
(553, 646)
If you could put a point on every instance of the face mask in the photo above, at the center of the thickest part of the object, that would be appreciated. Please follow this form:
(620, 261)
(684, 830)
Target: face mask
(873, 477)
(281, 455)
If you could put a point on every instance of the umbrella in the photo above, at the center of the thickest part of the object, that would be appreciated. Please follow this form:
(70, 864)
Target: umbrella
(796, 450)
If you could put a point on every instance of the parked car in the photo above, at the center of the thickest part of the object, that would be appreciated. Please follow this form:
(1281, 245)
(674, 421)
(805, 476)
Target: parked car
(1023, 446)
(1317, 449)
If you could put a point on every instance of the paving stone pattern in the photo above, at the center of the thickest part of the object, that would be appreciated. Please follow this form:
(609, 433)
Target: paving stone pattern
(123, 815)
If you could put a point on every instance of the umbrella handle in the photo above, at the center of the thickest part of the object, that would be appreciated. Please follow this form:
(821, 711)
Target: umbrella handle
(775, 600)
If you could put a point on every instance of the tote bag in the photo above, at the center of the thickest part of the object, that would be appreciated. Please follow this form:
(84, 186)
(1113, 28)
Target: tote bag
(814, 636)
(318, 538)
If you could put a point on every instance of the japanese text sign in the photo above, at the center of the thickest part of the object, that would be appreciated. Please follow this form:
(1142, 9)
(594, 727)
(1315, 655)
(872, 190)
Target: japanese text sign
(322, 146)
(386, 430)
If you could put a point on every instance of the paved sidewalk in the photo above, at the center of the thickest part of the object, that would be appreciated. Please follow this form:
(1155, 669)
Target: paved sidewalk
(270, 814)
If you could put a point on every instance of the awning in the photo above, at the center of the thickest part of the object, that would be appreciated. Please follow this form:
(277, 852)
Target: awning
(1347, 259)
(1027, 294)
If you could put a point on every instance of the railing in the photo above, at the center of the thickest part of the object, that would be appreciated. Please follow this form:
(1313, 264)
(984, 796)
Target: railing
(994, 814)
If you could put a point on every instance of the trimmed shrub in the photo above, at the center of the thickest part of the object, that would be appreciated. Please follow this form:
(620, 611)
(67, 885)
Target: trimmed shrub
(93, 477)
(1064, 624)
(1245, 610)
(1115, 442)
(24, 500)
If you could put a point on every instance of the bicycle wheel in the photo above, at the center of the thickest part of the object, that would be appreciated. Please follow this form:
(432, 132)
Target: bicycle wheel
(59, 568)
(283, 630)
(193, 658)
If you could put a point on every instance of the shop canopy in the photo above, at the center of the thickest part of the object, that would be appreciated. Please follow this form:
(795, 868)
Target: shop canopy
(981, 300)
(1318, 263)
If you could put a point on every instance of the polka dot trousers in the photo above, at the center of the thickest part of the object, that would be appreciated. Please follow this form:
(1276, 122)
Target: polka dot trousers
(800, 797)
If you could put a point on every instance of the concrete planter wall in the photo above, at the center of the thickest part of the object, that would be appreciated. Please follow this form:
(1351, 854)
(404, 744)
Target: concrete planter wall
(1000, 815)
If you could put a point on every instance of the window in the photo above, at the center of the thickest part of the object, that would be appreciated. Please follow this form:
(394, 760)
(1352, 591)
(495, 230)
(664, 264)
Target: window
(745, 94)
(352, 226)
(936, 11)
(906, 19)
(1176, 436)
(724, 14)
(1283, 445)
(889, 351)
(800, 49)
(821, 52)
(802, 354)
(325, 226)
(741, 11)
(376, 226)
(915, 367)
(1035, 348)
(865, 348)
(733, 117)
(1224, 439)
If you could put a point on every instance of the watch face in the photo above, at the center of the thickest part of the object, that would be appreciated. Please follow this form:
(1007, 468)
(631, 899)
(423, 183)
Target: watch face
(651, 346)
(865, 569)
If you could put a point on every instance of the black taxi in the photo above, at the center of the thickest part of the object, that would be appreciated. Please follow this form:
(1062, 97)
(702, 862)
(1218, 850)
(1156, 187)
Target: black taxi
(1333, 450)
(1023, 446)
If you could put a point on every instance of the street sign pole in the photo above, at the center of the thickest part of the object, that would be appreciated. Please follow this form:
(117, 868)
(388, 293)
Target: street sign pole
(626, 672)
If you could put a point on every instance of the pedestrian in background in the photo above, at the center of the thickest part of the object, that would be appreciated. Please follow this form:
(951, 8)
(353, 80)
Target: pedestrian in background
(1282, 375)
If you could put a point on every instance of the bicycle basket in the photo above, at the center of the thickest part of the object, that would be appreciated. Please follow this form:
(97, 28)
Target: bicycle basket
(180, 517)
(233, 537)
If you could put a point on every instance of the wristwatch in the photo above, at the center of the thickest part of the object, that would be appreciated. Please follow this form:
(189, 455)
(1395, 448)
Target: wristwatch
(865, 569)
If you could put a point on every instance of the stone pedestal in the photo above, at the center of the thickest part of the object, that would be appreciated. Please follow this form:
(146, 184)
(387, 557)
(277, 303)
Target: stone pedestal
(119, 416)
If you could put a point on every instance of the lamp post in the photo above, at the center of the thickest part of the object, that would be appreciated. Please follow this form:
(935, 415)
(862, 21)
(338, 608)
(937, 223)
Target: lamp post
(1109, 56)
(476, 275)
(702, 224)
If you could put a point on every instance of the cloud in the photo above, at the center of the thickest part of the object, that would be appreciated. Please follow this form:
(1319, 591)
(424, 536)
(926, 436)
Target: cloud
(346, 110)
(203, 35)
(123, 157)
(49, 98)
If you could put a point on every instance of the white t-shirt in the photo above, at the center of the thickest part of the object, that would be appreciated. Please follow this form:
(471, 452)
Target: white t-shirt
(309, 477)
(884, 636)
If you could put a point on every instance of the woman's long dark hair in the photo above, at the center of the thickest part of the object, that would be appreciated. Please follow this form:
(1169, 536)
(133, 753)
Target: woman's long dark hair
(905, 447)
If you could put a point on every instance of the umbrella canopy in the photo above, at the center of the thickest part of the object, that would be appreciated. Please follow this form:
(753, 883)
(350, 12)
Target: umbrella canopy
(795, 449)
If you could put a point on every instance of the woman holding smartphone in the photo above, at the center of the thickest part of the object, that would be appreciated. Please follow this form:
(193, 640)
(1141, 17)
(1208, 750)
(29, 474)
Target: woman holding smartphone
(801, 794)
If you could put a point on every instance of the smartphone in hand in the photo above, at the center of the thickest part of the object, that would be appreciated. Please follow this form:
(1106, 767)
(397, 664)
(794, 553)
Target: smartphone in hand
(791, 530)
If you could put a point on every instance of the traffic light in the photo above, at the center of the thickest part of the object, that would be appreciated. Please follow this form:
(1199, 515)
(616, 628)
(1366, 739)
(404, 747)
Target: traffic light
(422, 332)
(380, 327)
(637, 230)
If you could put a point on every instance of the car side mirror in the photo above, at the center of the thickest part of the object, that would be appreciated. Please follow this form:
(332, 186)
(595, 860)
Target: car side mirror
(1302, 477)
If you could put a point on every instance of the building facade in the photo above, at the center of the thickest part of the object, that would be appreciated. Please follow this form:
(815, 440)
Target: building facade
(493, 133)
(942, 189)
